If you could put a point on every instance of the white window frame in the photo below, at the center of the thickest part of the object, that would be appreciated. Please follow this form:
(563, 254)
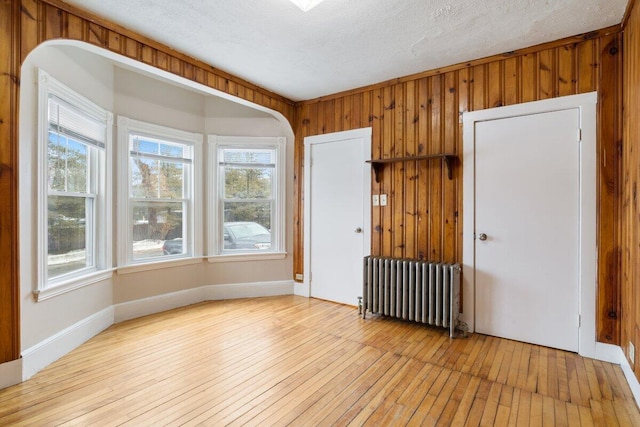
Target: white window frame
(193, 218)
(215, 227)
(100, 176)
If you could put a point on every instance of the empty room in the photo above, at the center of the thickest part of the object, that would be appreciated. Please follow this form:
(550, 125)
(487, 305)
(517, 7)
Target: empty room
(292, 212)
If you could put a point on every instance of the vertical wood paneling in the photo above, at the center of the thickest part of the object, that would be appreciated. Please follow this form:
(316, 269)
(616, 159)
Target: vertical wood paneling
(566, 70)
(609, 154)
(424, 120)
(449, 187)
(586, 63)
(377, 108)
(546, 66)
(422, 115)
(529, 77)
(396, 200)
(388, 103)
(410, 200)
(10, 48)
(630, 293)
(511, 86)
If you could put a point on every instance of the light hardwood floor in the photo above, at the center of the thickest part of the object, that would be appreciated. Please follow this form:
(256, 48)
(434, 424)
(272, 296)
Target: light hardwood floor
(305, 362)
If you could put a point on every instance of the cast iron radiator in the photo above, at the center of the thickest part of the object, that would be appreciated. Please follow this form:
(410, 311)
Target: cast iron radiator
(413, 290)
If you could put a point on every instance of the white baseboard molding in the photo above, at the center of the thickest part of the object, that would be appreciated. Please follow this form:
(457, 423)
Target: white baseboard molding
(302, 289)
(160, 303)
(614, 354)
(248, 290)
(48, 351)
(157, 304)
(10, 373)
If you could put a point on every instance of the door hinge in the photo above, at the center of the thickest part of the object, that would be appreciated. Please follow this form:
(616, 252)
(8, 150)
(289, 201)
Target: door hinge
(579, 320)
(579, 135)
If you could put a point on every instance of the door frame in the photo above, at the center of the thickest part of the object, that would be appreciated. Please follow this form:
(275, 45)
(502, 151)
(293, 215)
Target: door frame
(365, 134)
(587, 250)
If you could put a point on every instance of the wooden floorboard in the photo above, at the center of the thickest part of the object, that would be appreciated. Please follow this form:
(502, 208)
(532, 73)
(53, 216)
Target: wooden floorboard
(303, 362)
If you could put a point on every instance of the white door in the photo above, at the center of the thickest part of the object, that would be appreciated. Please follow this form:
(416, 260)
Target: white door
(339, 215)
(527, 219)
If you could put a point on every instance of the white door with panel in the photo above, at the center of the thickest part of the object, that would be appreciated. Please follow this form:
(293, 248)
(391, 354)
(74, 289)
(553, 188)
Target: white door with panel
(338, 214)
(527, 228)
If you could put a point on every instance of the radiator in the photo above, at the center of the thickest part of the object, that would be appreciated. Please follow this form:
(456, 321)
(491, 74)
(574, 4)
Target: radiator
(412, 290)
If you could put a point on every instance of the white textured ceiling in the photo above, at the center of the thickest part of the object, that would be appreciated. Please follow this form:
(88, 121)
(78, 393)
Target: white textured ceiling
(345, 44)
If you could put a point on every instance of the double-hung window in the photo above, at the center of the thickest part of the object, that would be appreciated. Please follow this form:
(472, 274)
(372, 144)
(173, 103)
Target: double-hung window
(247, 179)
(159, 204)
(74, 137)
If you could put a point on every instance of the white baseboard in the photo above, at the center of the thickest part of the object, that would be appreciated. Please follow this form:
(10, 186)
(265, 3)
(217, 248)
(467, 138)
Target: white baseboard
(615, 354)
(160, 303)
(10, 373)
(48, 351)
(248, 290)
(302, 289)
(157, 304)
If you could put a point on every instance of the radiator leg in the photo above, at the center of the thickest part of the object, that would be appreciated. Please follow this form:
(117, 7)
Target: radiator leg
(359, 305)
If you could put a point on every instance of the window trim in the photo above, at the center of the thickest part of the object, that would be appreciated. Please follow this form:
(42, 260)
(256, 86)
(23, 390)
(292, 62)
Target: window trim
(126, 263)
(102, 220)
(215, 142)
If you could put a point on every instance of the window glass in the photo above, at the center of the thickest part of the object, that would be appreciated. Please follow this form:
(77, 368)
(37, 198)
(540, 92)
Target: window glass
(68, 234)
(247, 208)
(247, 199)
(73, 195)
(158, 191)
(158, 200)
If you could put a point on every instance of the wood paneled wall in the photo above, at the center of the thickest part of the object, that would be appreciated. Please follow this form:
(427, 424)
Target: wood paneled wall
(631, 179)
(24, 24)
(421, 114)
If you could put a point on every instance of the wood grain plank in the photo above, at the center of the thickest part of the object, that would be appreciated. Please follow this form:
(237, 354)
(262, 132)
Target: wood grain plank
(296, 361)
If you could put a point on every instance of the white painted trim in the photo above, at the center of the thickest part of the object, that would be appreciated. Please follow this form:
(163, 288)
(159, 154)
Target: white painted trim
(248, 290)
(156, 304)
(51, 349)
(304, 289)
(588, 251)
(614, 354)
(164, 302)
(10, 373)
(71, 285)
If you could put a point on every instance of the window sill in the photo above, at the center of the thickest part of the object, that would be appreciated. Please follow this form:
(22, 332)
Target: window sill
(72, 284)
(247, 257)
(135, 268)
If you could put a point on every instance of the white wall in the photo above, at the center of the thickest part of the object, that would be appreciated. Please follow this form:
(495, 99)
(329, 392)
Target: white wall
(139, 96)
(92, 77)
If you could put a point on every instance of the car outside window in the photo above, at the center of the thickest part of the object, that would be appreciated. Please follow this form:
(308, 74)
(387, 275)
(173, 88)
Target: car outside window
(247, 195)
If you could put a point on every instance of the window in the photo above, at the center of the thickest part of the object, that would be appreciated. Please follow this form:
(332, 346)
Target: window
(247, 197)
(158, 206)
(74, 146)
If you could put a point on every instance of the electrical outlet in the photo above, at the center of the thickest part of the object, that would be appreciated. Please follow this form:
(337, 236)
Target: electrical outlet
(299, 276)
(383, 200)
(632, 353)
(375, 199)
